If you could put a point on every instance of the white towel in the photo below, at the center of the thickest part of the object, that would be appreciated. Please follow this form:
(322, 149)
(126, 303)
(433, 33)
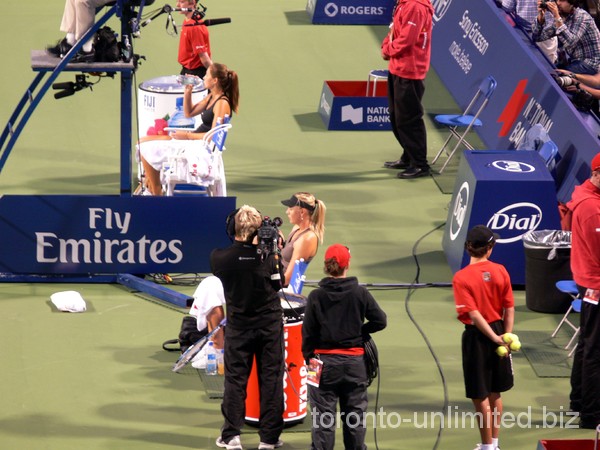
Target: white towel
(70, 301)
(209, 294)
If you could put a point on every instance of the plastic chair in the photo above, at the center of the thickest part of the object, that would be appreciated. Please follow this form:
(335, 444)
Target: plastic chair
(569, 287)
(460, 124)
(296, 282)
(198, 168)
(548, 152)
(374, 76)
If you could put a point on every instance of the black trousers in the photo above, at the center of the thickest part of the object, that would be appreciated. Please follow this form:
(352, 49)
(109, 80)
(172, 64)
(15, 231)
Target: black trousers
(199, 71)
(344, 378)
(240, 347)
(406, 118)
(585, 375)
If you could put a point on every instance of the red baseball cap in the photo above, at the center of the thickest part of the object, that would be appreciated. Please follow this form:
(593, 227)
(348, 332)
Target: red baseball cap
(340, 253)
(596, 162)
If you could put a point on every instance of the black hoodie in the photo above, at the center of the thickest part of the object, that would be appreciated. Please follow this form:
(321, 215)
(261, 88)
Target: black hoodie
(335, 316)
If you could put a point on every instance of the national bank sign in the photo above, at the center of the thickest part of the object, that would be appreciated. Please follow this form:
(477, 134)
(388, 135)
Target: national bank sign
(350, 12)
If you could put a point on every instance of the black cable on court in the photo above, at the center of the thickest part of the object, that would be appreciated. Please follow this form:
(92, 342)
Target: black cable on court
(412, 287)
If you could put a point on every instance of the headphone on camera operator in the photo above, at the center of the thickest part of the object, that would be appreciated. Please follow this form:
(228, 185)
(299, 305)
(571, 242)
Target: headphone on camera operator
(268, 238)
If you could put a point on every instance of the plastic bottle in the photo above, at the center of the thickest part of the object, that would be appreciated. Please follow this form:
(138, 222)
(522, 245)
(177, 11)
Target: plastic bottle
(189, 79)
(211, 359)
(221, 361)
(179, 120)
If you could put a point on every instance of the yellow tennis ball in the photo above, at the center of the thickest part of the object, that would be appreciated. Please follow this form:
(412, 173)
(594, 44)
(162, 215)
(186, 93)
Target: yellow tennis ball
(515, 346)
(510, 337)
(502, 351)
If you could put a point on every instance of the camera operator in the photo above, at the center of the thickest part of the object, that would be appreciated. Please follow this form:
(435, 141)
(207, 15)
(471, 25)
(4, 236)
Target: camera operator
(578, 36)
(251, 281)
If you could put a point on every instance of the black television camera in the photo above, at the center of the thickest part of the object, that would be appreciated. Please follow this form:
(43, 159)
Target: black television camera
(268, 236)
(544, 4)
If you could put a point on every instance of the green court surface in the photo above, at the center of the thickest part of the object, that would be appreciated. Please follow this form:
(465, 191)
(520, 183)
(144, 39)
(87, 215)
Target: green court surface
(100, 379)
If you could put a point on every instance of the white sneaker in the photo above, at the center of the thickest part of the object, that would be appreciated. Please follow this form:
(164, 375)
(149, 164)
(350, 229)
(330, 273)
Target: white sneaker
(199, 361)
(265, 446)
(234, 443)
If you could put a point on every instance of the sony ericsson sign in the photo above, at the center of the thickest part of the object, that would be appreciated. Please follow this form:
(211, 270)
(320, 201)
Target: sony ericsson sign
(106, 234)
(351, 12)
(440, 8)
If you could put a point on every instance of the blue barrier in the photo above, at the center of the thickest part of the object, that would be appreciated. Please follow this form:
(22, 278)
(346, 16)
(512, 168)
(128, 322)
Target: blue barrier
(76, 234)
(472, 40)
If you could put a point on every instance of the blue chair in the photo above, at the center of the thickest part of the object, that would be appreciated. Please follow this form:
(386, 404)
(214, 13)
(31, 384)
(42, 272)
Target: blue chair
(297, 280)
(569, 287)
(460, 124)
(548, 152)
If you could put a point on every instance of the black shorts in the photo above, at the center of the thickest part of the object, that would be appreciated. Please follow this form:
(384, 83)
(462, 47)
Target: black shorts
(199, 71)
(484, 371)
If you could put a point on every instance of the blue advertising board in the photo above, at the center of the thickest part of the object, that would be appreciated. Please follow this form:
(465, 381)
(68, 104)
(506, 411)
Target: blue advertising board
(350, 12)
(511, 192)
(345, 105)
(71, 234)
(472, 40)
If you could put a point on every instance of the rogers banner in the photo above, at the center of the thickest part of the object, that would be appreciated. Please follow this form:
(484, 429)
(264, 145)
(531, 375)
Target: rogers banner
(70, 234)
(351, 12)
(472, 40)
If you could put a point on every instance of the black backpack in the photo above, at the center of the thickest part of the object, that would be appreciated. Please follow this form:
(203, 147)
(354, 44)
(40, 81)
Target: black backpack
(188, 336)
(106, 46)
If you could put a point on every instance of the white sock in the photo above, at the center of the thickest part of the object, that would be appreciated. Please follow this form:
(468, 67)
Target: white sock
(71, 38)
(487, 447)
(87, 47)
(495, 443)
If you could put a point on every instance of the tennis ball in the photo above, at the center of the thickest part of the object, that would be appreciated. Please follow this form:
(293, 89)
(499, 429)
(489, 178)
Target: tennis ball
(510, 337)
(502, 351)
(515, 346)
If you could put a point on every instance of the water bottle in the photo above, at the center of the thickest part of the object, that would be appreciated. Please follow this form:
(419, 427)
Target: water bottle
(179, 120)
(211, 359)
(221, 361)
(189, 79)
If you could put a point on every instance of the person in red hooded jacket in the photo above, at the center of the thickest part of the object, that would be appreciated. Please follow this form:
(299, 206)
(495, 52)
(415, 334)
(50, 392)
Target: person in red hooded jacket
(407, 47)
(585, 265)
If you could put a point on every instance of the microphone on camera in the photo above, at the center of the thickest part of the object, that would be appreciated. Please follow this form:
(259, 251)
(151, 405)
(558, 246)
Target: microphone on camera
(165, 9)
(210, 22)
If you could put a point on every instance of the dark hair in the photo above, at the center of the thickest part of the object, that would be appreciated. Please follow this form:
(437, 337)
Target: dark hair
(332, 268)
(228, 80)
(478, 252)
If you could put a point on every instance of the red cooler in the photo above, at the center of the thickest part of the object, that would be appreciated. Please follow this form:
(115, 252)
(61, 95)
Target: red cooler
(295, 391)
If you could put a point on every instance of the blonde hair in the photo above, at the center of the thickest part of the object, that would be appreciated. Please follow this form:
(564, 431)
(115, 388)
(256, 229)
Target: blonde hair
(317, 215)
(247, 221)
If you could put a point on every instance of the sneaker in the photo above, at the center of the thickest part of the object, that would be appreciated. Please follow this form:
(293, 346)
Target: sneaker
(199, 361)
(265, 446)
(61, 48)
(233, 444)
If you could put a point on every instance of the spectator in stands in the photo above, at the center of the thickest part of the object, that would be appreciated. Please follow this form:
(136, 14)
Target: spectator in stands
(578, 36)
(194, 43)
(78, 17)
(525, 12)
(222, 99)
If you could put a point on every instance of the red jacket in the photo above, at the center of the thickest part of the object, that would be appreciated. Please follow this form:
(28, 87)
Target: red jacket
(585, 238)
(409, 47)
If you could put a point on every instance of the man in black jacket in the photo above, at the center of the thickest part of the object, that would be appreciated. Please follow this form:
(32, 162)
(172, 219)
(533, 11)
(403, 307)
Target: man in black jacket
(334, 331)
(254, 329)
